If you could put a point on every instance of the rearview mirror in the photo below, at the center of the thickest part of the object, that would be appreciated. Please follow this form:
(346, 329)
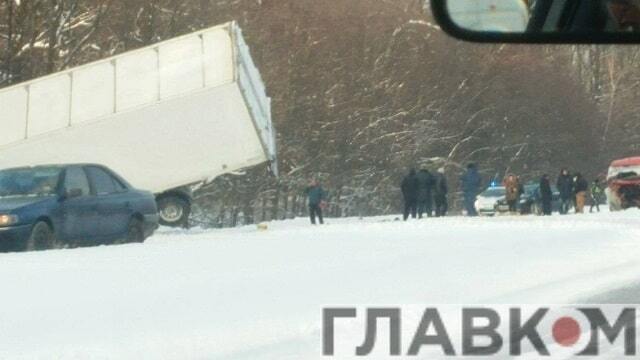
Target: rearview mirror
(540, 21)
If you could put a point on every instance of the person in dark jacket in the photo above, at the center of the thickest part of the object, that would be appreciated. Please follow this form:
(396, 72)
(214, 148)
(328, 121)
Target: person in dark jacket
(471, 182)
(317, 197)
(565, 187)
(440, 190)
(409, 189)
(546, 195)
(581, 189)
(597, 195)
(425, 193)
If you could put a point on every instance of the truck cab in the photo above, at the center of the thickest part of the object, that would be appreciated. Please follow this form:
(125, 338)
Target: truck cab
(623, 184)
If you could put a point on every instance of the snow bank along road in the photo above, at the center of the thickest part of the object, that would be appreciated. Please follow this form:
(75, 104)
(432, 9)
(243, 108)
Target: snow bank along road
(249, 294)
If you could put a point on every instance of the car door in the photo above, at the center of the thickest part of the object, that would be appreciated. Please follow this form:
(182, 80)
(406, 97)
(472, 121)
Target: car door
(78, 208)
(112, 203)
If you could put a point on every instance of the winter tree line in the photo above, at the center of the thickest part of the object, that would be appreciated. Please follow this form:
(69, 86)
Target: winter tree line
(362, 91)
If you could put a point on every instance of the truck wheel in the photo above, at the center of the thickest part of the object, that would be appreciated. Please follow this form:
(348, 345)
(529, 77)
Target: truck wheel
(174, 211)
(41, 237)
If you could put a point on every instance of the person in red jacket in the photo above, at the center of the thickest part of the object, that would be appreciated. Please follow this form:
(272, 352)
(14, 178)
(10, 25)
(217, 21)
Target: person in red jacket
(512, 189)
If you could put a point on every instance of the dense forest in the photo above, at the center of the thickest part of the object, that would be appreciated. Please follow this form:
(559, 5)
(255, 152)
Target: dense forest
(362, 91)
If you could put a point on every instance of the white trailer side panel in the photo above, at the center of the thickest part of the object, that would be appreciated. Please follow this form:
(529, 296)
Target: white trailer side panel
(14, 105)
(93, 93)
(156, 148)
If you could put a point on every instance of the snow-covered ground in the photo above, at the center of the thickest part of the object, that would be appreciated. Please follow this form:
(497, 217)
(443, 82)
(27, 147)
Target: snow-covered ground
(250, 294)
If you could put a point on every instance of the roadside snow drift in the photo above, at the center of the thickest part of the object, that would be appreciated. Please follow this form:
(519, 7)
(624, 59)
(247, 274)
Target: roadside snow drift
(249, 294)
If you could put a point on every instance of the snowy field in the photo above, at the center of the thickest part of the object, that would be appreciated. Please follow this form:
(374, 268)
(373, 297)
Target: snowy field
(249, 294)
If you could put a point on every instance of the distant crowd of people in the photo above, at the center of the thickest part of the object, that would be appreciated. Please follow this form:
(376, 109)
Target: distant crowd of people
(421, 189)
(574, 191)
(426, 194)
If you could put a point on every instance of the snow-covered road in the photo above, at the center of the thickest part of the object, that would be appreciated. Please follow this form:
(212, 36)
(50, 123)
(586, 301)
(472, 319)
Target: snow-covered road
(249, 294)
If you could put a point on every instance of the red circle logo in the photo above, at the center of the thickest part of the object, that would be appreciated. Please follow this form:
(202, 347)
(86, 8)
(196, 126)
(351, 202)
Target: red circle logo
(566, 331)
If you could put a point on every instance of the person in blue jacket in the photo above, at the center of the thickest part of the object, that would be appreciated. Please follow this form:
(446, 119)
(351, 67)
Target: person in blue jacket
(471, 182)
(317, 197)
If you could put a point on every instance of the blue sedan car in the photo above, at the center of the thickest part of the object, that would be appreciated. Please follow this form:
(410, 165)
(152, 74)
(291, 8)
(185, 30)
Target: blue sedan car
(55, 206)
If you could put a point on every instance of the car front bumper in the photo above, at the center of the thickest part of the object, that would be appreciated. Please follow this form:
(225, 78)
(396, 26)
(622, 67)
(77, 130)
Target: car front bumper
(13, 238)
(623, 194)
(151, 223)
(486, 211)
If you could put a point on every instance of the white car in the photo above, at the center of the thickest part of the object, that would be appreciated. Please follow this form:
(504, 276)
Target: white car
(487, 201)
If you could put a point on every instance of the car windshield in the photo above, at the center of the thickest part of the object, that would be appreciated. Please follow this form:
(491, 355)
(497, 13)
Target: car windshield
(624, 172)
(530, 188)
(40, 181)
(493, 192)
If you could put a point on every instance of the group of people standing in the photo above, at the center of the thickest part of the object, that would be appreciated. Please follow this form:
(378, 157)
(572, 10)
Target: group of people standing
(574, 191)
(421, 189)
(425, 193)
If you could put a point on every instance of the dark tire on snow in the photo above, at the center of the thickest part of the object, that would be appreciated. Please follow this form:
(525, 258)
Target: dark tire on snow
(174, 211)
(41, 238)
(135, 231)
(535, 209)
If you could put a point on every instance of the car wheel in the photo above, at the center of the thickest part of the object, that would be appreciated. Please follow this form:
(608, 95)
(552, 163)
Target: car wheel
(41, 238)
(174, 211)
(135, 231)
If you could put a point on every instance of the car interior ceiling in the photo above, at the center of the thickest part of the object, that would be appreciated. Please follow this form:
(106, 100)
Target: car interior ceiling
(570, 16)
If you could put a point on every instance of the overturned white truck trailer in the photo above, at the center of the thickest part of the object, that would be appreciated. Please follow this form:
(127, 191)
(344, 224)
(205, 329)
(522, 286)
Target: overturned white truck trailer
(167, 116)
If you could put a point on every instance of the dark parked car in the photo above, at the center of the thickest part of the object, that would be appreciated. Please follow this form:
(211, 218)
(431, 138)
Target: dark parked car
(54, 206)
(530, 200)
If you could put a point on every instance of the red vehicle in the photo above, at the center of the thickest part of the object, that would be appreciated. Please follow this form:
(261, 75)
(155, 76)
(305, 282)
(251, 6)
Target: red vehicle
(623, 181)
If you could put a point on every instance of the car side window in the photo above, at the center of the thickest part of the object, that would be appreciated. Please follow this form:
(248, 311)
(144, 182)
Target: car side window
(76, 178)
(102, 182)
(119, 186)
